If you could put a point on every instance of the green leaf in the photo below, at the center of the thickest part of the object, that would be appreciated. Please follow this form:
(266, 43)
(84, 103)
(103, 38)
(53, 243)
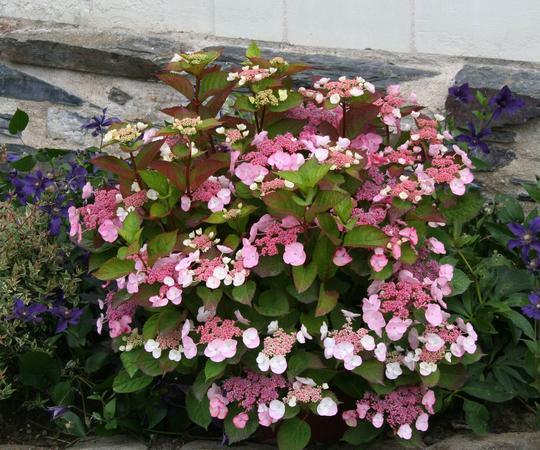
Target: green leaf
(476, 416)
(198, 410)
(269, 266)
(95, 361)
(115, 268)
(304, 276)
(293, 100)
(460, 282)
(25, 164)
(71, 423)
(210, 297)
(155, 180)
(452, 377)
(129, 361)
(322, 256)
(109, 410)
(130, 227)
(371, 370)
(489, 391)
(281, 203)
(124, 384)
(213, 83)
(178, 82)
(283, 126)
(363, 433)
(327, 301)
(302, 360)
(272, 303)
(520, 322)
(114, 165)
(293, 434)
(244, 294)
(161, 245)
(253, 50)
(39, 370)
(214, 369)
(366, 236)
(462, 209)
(18, 122)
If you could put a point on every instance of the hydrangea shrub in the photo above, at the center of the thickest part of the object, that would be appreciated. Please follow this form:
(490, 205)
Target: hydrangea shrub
(282, 253)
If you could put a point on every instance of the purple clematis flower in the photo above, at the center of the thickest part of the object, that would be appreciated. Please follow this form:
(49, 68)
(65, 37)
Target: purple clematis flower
(505, 103)
(527, 237)
(461, 93)
(76, 177)
(474, 139)
(99, 124)
(30, 186)
(56, 211)
(27, 313)
(57, 411)
(532, 310)
(66, 317)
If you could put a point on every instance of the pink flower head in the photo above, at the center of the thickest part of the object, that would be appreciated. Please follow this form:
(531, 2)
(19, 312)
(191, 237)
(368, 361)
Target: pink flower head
(428, 400)
(294, 254)
(434, 314)
(410, 234)
(350, 417)
(218, 350)
(218, 408)
(87, 191)
(248, 173)
(240, 420)
(341, 257)
(74, 223)
(250, 256)
(108, 231)
(436, 246)
(250, 337)
(396, 327)
(120, 326)
(378, 260)
(285, 161)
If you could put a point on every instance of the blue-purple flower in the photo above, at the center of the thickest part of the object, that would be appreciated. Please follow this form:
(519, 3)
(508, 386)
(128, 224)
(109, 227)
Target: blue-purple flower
(99, 124)
(30, 186)
(66, 317)
(57, 411)
(76, 177)
(475, 139)
(532, 310)
(57, 212)
(504, 102)
(461, 93)
(27, 313)
(526, 237)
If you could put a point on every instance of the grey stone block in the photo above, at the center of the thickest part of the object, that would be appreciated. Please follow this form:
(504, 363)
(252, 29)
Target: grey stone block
(19, 85)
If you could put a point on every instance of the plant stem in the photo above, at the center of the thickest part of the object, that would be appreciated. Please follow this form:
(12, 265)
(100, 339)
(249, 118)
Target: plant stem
(344, 120)
(476, 281)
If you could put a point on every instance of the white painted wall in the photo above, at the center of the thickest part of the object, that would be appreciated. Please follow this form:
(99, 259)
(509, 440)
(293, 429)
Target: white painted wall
(507, 29)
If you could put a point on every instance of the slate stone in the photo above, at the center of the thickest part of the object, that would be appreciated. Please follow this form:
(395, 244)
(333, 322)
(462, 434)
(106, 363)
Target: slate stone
(118, 96)
(496, 158)
(141, 57)
(525, 83)
(380, 73)
(19, 85)
(137, 58)
(502, 441)
(65, 125)
(501, 136)
(4, 124)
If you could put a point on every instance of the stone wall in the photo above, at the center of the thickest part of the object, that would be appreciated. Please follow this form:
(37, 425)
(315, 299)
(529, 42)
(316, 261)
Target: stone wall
(481, 28)
(63, 74)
